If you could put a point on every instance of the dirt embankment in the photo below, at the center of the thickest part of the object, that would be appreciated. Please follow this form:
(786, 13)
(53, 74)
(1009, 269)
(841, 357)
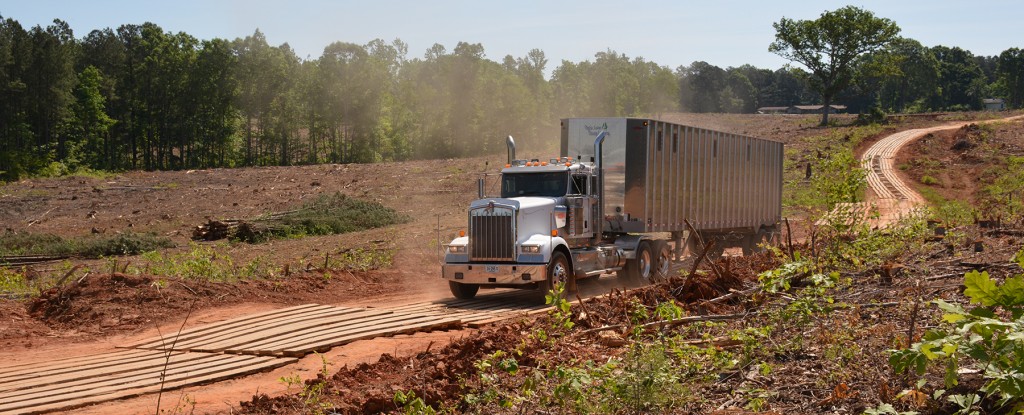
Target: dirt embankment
(958, 164)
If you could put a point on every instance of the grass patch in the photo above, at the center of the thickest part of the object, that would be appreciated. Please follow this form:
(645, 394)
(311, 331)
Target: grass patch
(16, 244)
(202, 262)
(327, 215)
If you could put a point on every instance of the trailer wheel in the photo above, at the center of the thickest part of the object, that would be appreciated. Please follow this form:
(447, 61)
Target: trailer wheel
(463, 291)
(662, 263)
(558, 272)
(639, 270)
(752, 243)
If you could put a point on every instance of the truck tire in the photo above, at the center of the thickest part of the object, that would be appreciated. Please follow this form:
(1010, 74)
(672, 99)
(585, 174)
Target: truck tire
(639, 270)
(749, 244)
(463, 291)
(662, 262)
(558, 272)
(752, 243)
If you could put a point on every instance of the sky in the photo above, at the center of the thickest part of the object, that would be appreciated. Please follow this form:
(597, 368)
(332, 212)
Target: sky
(671, 33)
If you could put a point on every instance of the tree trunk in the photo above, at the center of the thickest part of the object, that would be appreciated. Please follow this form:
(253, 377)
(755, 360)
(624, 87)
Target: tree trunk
(825, 109)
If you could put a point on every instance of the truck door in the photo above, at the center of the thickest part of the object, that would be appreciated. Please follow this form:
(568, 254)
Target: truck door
(581, 208)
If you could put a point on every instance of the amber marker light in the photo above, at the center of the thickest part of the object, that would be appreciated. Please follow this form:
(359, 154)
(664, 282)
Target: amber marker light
(462, 233)
(554, 232)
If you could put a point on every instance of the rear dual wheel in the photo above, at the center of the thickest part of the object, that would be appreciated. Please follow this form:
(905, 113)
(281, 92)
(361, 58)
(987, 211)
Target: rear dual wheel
(653, 263)
(753, 244)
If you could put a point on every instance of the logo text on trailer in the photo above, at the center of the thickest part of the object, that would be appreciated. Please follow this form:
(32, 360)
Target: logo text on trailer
(594, 130)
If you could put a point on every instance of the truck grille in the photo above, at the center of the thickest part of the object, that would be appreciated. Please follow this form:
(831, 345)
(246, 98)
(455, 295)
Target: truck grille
(491, 234)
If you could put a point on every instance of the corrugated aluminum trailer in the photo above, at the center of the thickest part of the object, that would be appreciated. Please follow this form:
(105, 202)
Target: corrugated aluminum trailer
(658, 174)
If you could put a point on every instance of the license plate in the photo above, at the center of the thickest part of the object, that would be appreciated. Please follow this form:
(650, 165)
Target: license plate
(491, 269)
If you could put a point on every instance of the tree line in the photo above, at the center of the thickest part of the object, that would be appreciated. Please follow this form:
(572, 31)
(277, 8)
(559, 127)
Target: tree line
(139, 97)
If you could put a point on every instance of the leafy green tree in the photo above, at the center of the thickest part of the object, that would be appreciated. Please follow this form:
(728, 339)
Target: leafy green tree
(701, 86)
(961, 79)
(830, 45)
(739, 95)
(1011, 76)
(788, 87)
(90, 124)
(761, 80)
(571, 86)
(914, 78)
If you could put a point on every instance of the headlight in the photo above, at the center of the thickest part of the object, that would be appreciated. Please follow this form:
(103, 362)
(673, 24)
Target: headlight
(530, 249)
(457, 249)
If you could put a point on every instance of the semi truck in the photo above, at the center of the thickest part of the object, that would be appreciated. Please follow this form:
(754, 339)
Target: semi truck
(625, 196)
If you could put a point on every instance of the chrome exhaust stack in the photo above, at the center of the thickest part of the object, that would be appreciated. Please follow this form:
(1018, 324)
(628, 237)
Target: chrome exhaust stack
(511, 143)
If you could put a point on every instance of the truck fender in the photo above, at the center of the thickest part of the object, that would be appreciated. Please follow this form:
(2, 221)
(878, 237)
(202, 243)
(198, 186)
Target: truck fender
(628, 244)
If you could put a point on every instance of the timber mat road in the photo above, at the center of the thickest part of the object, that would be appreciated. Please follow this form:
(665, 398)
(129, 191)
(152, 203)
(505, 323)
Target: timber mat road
(893, 198)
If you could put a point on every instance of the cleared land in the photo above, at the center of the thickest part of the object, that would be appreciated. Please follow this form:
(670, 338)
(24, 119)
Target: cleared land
(100, 306)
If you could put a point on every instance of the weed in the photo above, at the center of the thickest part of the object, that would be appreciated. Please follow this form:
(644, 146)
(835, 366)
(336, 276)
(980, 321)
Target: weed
(363, 259)
(313, 391)
(411, 404)
(199, 263)
(953, 213)
(561, 312)
(13, 282)
(929, 180)
(648, 382)
(1004, 195)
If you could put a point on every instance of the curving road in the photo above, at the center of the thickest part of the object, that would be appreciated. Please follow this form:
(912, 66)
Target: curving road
(892, 197)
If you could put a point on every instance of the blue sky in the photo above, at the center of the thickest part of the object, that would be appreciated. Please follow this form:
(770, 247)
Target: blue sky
(671, 33)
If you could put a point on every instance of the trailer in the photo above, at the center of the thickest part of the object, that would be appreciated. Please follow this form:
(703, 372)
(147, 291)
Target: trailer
(625, 195)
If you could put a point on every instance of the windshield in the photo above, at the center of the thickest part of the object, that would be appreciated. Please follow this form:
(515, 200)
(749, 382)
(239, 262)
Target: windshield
(551, 184)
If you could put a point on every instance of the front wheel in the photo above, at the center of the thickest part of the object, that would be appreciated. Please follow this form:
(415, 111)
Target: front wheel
(558, 273)
(463, 291)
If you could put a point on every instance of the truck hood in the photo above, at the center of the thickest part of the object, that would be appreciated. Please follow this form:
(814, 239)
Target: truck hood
(534, 215)
(525, 205)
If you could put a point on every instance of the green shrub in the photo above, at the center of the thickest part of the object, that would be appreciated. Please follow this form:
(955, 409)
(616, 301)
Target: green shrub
(327, 215)
(988, 338)
(12, 244)
(929, 180)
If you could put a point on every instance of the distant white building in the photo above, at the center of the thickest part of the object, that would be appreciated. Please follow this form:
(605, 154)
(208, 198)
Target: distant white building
(994, 104)
(815, 109)
(802, 109)
(772, 110)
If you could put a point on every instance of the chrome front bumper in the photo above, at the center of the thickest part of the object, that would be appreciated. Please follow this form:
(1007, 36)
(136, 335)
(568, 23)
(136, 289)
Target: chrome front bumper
(504, 274)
